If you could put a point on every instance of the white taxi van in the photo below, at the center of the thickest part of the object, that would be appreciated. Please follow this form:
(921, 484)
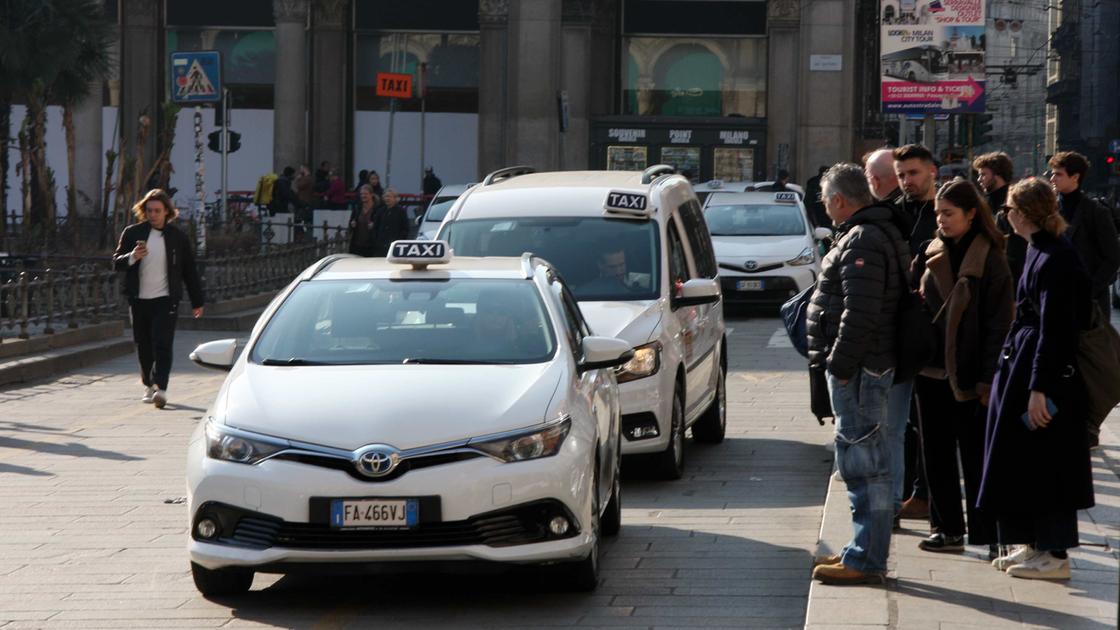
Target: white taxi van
(325, 444)
(635, 251)
(766, 248)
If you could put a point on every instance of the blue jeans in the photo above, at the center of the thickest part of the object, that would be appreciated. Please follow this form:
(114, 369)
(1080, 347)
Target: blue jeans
(898, 415)
(863, 457)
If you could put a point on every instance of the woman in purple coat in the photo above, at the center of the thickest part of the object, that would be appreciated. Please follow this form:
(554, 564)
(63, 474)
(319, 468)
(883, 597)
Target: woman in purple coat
(1036, 452)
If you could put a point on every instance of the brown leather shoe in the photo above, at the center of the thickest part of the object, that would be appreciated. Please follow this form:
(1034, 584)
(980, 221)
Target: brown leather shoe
(832, 559)
(914, 508)
(842, 575)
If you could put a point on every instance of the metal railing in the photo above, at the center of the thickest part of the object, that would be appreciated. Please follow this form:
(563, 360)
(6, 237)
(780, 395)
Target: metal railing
(42, 301)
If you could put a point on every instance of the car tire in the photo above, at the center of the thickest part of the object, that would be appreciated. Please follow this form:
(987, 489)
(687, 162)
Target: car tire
(218, 582)
(612, 517)
(712, 426)
(669, 463)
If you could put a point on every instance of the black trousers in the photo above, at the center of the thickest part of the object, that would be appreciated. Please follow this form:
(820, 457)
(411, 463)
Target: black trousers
(153, 330)
(949, 426)
(914, 476)
(1045, 531)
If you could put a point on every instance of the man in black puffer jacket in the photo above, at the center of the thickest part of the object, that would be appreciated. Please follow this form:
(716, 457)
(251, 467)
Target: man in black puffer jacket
(851, 328)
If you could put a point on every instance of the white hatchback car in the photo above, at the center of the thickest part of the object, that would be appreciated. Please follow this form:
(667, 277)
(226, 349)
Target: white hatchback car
(636, 254)
(765, 245)
(326, 444)
(429, 224)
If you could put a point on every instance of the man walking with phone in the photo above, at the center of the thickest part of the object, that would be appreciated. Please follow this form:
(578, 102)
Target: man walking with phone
(158, 261)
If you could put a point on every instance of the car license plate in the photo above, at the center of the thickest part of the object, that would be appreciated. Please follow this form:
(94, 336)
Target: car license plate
(749, 285)
(375, 513)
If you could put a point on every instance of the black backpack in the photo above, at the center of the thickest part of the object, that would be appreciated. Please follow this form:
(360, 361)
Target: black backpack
(915, 334)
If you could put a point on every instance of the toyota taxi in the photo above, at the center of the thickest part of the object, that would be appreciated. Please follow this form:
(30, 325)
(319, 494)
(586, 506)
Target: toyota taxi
(634, 249)
(766, 248)
(325, 444)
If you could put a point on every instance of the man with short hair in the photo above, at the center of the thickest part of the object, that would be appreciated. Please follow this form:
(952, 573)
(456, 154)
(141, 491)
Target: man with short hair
(813, 200)
(995, 173)
(1090, 225)
(851, 329)
(780, 184)
(879, 168)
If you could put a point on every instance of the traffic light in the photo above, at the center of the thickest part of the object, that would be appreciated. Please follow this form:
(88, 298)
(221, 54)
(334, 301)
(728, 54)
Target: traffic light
(1112, 161)
(982, 130)
(215, 143)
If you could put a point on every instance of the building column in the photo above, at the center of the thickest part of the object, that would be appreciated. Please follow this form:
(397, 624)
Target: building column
(289, 135)
(493, 84)
(782, 98)
(142, 73)
(534, 63)
(88, 151)
(576, 62)
(330, 109)
(826, 126)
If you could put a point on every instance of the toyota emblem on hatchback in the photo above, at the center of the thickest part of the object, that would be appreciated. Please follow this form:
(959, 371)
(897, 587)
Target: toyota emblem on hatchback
(377, 460)
(750, 265)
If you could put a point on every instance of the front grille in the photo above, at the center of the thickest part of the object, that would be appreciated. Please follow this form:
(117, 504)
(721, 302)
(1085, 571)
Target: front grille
(412, 463)
(515, 526)
(743, 269)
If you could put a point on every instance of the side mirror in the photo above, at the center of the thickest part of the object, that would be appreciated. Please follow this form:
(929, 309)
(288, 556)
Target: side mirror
(822, 233)
(216, 355)
(604, 352)
(696, 292)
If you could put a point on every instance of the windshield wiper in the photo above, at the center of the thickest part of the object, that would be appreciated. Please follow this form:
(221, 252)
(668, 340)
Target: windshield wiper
(417, 361)
(292, 361)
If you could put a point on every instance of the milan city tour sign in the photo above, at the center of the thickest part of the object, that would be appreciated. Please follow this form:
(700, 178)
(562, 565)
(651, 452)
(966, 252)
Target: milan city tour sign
(932, 59)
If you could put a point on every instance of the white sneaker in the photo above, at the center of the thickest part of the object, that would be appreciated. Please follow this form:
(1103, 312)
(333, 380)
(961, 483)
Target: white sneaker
(148, 394)
(159, 398)
(1043, 566)
(1016, 555)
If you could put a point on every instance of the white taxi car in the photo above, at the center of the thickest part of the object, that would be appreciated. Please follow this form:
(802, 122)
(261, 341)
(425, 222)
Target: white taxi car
(635, 252)
(326, 445)
(767, 249)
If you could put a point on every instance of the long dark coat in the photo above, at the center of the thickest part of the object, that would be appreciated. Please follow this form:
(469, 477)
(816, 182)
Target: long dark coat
(1047, 469)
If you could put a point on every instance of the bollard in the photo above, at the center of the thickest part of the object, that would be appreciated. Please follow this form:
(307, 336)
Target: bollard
(73, 322)
(23, 298)
(50, 302)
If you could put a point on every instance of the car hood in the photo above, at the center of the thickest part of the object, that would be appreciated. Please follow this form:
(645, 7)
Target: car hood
(634, 322)
(404, 406)
(783, 247)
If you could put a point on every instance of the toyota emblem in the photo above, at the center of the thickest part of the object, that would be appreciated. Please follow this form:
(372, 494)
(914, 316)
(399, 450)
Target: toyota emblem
(750, 265)
(377, 460)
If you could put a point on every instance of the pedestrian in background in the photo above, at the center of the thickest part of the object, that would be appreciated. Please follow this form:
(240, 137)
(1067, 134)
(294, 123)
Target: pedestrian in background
(431, 183)
(963, 277)
(781, 184)
(1037, 472)
(363, 179)
(995, 172)
(362, 221)
(879, 168)
(305, 193)
(158, 261)
(1090, 226)
(390, 224)
(322, 178)
(851, 328)
(283, 197)
(336, 192)
(813, 200)
(374, 182)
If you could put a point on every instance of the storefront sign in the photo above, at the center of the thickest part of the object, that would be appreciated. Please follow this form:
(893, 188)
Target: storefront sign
(826, 63)
(394, 85)
(932, 59)
(627, 135)
(733, 137)
(680, 136)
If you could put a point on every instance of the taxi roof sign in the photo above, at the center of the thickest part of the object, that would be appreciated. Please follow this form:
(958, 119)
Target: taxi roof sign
(785, 197)
(419, 254)
(624, 202)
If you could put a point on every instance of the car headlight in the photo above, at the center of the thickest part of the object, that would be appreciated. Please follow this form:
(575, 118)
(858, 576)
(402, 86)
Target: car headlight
(806, 257)
(525, 445)
(236, 446)
(646, 362)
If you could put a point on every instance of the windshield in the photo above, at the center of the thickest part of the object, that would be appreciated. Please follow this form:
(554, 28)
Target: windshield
(600, 259)
(755, 220)
(439, 208)
(349, 322)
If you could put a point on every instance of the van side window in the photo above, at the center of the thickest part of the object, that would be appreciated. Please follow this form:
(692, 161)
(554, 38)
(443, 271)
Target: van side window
(699, 239)
(678, 265)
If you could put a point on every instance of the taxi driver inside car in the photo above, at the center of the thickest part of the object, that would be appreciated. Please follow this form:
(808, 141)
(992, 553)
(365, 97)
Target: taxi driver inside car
(335, 474)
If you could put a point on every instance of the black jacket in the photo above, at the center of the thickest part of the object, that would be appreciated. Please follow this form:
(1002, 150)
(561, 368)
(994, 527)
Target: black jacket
(922, 221)
(389, 224)
(181, 269)
(1016, 245)
(851, 316)
(1093, 235)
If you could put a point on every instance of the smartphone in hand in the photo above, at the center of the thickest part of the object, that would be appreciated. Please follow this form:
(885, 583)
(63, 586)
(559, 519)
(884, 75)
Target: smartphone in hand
(1051, 409)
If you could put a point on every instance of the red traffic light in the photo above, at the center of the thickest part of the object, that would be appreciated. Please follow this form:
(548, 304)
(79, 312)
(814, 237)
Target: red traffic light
(1110, 159)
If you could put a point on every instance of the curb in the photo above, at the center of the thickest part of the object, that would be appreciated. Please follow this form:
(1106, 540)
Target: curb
(29, 368)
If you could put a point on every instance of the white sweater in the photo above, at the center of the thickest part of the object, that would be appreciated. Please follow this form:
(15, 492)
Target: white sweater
(153, 268)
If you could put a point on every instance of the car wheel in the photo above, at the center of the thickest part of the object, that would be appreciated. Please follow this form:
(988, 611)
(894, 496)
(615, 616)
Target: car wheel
(218, 582)
(712, 426)
(669, 464)
(612, 518)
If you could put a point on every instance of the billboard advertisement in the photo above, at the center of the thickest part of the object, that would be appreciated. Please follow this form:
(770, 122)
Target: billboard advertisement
(932, 56)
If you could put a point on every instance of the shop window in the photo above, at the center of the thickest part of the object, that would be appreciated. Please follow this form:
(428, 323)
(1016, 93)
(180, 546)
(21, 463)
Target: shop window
(451, 71)
(248, 60)
(703, 77)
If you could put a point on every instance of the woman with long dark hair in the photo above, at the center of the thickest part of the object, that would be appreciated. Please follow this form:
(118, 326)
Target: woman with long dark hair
(964, 278)
(1036, 471)
(362, 222)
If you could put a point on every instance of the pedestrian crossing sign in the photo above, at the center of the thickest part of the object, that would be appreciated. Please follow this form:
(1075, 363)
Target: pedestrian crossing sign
(196, 77)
